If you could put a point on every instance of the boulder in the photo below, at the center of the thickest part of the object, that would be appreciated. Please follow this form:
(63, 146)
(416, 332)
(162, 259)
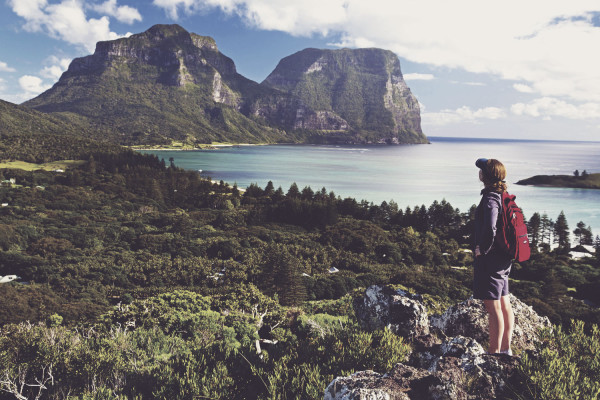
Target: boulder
(468, 377)
(469, 318)
(401, 312)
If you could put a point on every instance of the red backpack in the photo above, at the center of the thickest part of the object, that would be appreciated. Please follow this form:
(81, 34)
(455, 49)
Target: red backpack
(511, 235)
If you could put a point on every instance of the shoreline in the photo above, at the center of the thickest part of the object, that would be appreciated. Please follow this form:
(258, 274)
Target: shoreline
(206, 147)
(227, 183)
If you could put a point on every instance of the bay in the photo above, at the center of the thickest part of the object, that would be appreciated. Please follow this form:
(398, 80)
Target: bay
(411, 175)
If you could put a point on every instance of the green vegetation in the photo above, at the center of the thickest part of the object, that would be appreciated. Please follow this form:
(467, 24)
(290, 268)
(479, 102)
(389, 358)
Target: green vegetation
(567, 368)
(587, 181)
(142, 280)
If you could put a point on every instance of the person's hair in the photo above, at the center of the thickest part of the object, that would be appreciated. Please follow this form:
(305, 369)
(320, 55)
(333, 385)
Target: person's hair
(493, 176)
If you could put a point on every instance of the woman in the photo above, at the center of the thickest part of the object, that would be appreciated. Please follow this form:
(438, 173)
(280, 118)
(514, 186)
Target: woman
(492, 265)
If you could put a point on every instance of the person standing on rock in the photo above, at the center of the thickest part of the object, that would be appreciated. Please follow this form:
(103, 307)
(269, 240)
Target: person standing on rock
(492, 265)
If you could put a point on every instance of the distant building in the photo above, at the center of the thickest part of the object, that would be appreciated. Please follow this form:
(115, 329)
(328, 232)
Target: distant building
(333, 270)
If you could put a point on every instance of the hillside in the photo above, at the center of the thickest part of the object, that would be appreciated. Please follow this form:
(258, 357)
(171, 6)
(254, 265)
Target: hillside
(590, 181)
(32, 136)
(167, 85)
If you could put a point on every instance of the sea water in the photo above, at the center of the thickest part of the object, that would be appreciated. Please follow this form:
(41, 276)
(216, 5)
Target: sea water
(412, 175)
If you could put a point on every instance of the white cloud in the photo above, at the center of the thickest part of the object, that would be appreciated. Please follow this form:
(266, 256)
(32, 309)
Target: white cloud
(519, 87)
(65, 20)
(547, 45)
(33, 85)
(461, 115)
(474, 83)
(5, 68)
(468, 83)
(123, 14)
(548, 107)
(55, 68)
(418, 77)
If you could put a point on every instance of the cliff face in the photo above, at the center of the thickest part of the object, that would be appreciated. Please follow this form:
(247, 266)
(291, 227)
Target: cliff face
(167, 84)
(363, 89)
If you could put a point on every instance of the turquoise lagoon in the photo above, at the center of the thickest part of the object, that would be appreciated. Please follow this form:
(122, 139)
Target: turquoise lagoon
(411, 174)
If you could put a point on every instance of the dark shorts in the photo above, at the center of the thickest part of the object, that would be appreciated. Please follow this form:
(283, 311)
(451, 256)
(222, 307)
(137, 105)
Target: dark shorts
(490, 278)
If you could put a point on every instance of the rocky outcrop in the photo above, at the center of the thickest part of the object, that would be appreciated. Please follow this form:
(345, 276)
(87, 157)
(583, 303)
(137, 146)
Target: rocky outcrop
(450, 381)
(469, 318)
(401, 312)
(448, 363)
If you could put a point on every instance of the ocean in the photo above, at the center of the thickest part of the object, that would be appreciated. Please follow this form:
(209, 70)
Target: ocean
(412, 175)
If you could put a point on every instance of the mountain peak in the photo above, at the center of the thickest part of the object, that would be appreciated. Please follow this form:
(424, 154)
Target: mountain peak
(166, 30)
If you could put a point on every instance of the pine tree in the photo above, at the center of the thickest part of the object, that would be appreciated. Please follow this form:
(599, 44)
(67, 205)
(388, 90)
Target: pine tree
(235, 192)
(546, 225)
(561, 233)
(269, 189)
(278, 195)
(533, 228)
(283, 276)
(597, 248)
(293, 192)
(579, 231)
(588, 236)
(307, 193)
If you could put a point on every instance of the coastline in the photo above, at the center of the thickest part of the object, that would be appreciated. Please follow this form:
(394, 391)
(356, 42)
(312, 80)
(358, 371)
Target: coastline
(214, 146)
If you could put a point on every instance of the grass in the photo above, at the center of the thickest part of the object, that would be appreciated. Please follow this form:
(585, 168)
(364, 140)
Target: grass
(51, 166)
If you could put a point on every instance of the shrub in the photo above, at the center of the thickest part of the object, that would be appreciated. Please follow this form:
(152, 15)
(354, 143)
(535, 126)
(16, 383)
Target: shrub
(567, 367)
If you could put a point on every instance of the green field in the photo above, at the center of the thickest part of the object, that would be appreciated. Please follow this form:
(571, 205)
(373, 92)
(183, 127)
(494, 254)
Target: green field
(51, 166)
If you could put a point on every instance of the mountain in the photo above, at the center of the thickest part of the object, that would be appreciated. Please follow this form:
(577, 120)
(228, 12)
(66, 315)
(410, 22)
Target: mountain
(167, 85)
(360, 92)
(155, 87)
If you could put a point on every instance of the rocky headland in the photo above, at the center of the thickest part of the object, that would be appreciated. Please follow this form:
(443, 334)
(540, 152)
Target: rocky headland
(586, 181)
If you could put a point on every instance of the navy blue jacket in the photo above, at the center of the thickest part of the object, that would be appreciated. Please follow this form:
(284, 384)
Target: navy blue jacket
(486, 218)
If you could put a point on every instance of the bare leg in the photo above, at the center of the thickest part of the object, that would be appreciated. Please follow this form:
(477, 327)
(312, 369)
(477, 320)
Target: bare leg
(509, 322)
(496, 320)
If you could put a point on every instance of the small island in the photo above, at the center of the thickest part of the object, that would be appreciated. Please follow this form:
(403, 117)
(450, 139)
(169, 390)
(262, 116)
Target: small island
(577, 180)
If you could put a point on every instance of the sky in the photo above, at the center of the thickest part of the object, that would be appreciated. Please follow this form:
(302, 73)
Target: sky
(479, 68)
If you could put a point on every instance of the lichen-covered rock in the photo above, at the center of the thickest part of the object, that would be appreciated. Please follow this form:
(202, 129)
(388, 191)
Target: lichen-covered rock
(470, 376)
(401, 312)
(470, 319)
(364, 385)
(465, 349)
(402, 382)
